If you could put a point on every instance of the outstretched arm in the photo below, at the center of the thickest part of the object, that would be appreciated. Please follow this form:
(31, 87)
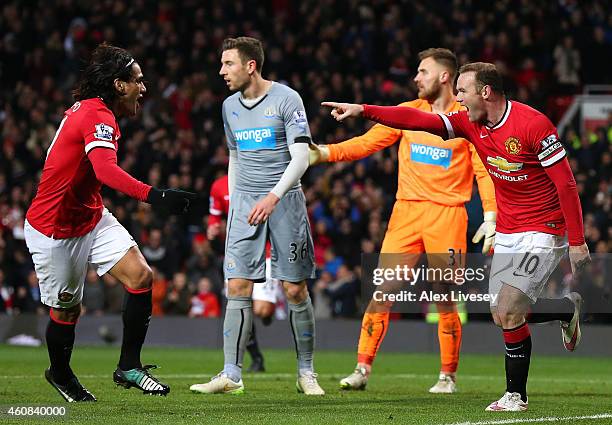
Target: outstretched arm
(104, 162)
(400, 117)
(374, 140)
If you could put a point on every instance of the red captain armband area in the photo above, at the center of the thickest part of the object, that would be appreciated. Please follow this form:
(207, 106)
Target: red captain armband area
(551, 151)
(406, 118)
(104, 162)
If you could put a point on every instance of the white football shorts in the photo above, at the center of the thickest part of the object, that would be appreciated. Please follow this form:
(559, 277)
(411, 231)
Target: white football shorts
(271, 290)
(525, 261)
(61, 264)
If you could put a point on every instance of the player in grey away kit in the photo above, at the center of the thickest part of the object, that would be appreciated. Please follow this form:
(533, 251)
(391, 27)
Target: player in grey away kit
(267, 135)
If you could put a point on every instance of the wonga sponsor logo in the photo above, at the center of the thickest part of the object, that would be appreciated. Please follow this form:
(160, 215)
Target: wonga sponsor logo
(431, 155)
(255, 138)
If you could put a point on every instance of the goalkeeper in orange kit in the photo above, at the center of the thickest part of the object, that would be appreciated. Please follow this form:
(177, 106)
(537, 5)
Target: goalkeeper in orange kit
(429, 216)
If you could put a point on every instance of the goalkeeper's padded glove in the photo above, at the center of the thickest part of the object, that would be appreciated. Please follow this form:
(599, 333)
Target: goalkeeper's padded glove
(317, 154)
(173, 201)
(486, 230)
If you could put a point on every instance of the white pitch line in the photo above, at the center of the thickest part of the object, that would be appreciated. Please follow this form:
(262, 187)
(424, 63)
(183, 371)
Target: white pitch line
(264, 376)
(536, 420)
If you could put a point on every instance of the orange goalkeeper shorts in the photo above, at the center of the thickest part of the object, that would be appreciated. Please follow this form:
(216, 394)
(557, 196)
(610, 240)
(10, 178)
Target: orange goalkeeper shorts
(424, 226)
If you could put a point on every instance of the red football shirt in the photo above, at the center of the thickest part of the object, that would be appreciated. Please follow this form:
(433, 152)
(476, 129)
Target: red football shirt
(219, 204)
(515, 152)
(68, 202)
(534, 186)
(219, 200)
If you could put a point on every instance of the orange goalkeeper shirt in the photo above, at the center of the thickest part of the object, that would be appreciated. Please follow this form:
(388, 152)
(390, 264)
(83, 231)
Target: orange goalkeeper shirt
(430, 168)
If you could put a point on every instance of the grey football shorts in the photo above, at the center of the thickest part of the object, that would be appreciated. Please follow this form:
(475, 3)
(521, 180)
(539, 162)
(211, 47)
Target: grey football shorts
(287, 229)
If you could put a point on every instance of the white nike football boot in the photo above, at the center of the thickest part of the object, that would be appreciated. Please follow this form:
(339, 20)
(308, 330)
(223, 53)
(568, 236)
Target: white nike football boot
(307, 384)
(510, 402)
(356, 380)
(445, 385)
(220, 384)
(570, 331)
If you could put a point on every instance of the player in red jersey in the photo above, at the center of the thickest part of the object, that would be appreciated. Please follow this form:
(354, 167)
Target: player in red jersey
(537, 204)
(67, 226)
(218, 207)
(266, 294)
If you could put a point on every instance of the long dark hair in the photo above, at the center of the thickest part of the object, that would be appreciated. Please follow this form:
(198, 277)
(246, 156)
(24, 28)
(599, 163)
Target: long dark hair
(107, 63)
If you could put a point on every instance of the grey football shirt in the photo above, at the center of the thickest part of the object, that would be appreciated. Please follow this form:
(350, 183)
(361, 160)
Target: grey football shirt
(261, 135)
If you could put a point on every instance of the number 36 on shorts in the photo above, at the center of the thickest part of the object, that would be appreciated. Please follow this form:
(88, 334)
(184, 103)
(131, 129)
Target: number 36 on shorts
(298, 250)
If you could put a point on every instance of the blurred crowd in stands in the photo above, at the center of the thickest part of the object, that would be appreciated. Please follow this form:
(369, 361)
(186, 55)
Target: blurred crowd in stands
(359, 51)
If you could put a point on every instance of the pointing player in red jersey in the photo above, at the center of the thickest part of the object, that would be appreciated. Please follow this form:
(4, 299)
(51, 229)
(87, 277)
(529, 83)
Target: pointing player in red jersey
(67, 226)
(537, 204)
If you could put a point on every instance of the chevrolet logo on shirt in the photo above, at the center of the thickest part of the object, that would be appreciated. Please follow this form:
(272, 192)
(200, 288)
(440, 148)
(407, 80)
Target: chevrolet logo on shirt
(503, 165)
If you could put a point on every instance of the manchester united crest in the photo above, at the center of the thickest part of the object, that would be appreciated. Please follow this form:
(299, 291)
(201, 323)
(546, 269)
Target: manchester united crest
(513, 146)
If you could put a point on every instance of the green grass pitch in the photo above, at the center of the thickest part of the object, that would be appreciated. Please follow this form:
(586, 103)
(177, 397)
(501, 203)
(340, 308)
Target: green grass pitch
(396, 394)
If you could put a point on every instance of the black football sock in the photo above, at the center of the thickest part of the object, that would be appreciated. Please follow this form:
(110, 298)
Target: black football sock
(252, 345)
(547, 310)
(60, 341)
(136, 316)
(518, 355)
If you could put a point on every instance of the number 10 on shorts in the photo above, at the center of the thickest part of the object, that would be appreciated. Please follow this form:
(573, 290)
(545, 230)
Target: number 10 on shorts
(528, 265)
